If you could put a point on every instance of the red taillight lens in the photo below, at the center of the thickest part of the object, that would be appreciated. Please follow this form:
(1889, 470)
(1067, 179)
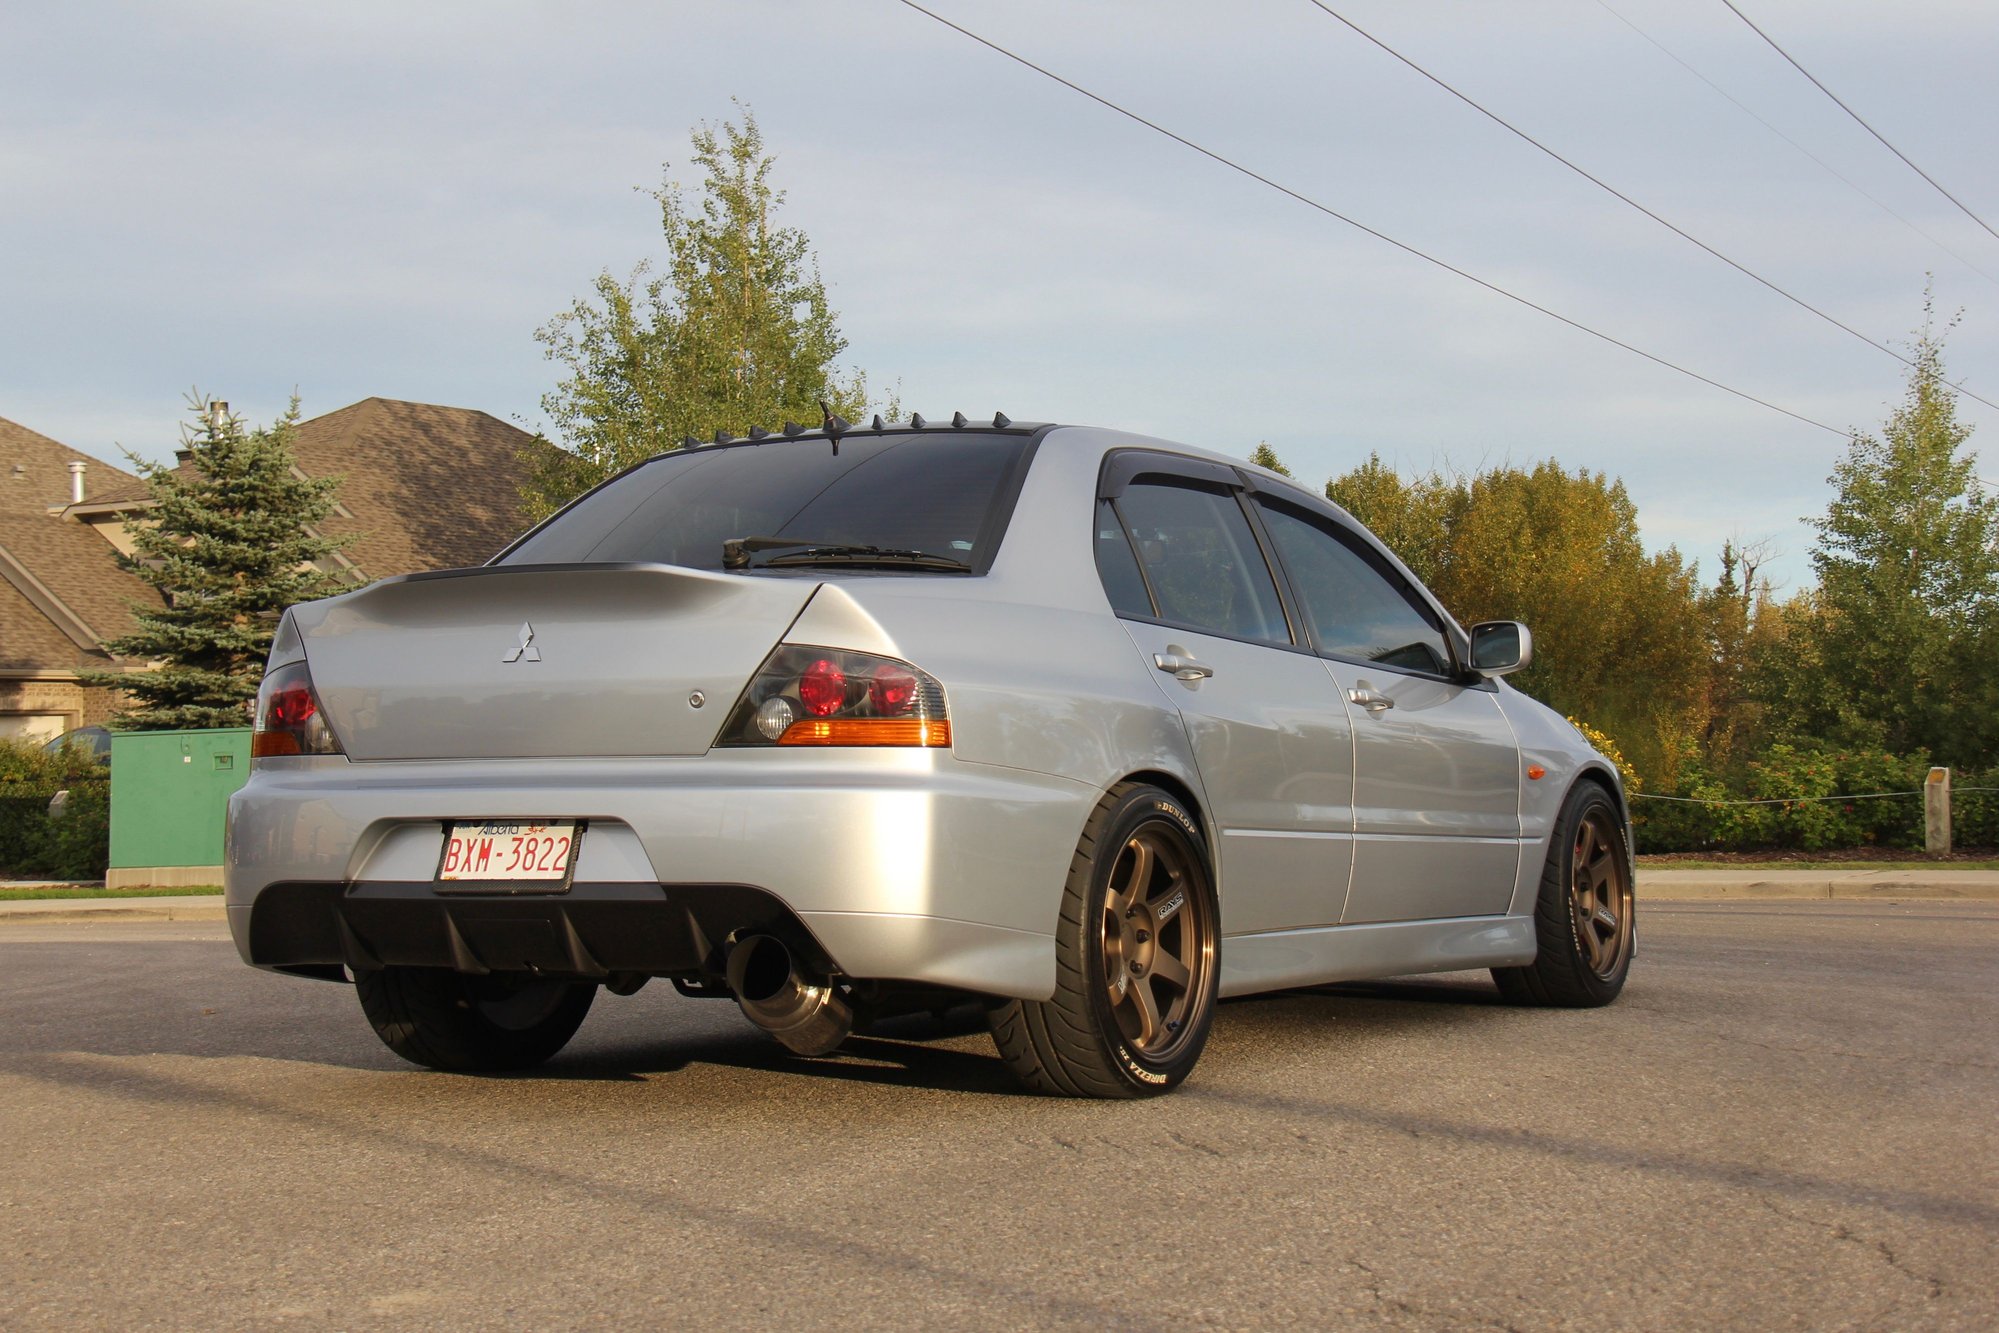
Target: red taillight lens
(292, 707)
(890, 689)
(289, 719)
(828, 697)
(823, 688)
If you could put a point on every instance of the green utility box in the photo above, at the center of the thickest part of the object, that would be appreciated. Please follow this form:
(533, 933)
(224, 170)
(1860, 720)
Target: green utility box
(170, 793)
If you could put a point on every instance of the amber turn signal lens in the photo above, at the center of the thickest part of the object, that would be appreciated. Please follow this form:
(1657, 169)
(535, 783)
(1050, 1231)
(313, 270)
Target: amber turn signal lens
(868, 731)
(1535, 772)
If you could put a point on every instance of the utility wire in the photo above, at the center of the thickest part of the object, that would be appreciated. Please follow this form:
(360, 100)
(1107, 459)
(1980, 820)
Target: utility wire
(1863, 124)
(1830, 170)
(1330, 212)
(1618, 194)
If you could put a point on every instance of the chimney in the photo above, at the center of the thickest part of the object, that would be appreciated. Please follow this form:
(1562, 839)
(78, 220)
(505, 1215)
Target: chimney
(218, 415)
(76, 466)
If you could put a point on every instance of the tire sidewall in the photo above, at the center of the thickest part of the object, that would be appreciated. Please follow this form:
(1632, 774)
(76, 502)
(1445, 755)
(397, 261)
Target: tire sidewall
(1134, 811)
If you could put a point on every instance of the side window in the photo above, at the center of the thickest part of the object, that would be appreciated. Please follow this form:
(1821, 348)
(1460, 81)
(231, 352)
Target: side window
(1118, 567)
(1202, 561)
(1356, 607)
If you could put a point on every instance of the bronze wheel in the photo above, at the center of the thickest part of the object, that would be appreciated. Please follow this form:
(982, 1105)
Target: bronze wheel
(1600, 894)
(1138, 958)
(1157, 943)
(1584, 914)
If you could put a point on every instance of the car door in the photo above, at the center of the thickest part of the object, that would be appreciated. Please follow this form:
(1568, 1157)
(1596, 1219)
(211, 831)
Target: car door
(1436, 766)
(1184, 569)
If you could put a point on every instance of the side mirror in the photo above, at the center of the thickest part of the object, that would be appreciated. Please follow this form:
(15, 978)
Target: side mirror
(1499, 647)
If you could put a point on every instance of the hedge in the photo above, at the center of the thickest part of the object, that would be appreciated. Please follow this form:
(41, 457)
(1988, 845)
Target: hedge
(74, 845)
(1795, 781)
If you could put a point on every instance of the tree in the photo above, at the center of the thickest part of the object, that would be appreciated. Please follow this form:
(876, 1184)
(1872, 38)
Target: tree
(1908, 565)
(229, 547)
(1265, 456)
(734, 331)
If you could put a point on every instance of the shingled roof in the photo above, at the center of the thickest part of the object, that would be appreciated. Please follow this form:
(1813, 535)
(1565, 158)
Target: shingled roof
(62, 593)
(421, 486)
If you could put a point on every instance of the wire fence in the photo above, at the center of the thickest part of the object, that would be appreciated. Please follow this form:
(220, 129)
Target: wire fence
(1790, 800)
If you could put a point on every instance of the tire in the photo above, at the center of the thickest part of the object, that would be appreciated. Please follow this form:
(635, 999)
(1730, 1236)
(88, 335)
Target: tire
(471, 1024)
(1138, 959)
(1585, 913)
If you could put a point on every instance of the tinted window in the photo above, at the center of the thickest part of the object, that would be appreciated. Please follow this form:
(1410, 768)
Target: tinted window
(1203, 562)
(1356, 607)
(1118, 567)
(936, 493)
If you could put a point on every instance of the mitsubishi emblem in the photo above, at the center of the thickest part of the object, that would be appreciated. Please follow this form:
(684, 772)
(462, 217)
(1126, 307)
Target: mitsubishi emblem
(526, 649)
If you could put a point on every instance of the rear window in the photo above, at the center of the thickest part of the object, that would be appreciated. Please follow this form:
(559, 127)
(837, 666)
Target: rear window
(945, 494)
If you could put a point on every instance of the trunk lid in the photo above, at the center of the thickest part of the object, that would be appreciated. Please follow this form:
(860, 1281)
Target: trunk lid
(524, 661)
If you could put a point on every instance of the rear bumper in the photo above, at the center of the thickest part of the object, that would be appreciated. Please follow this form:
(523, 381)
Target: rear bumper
(907, 866)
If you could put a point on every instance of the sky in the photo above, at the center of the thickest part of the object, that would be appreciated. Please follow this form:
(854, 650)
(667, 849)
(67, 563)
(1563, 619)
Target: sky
(357, 199)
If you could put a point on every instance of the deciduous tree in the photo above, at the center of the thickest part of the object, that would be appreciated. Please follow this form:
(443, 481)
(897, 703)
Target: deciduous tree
(733, 330)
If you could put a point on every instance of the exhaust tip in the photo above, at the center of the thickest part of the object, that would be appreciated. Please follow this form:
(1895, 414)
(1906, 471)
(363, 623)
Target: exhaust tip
(807, 1014)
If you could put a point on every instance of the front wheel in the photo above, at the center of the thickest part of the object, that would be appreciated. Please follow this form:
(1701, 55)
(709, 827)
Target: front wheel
(1137, 959)
(471, 1024)
(1584, 918)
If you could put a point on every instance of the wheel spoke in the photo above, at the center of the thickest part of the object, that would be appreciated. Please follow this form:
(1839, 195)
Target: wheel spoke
(1171, 971)
(1139, 874)
(1149, 1024)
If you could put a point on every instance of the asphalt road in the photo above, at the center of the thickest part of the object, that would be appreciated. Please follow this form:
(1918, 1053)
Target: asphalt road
(1788, 1122)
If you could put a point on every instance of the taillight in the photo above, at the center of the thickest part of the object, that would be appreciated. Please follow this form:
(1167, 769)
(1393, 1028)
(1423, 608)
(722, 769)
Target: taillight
(823, 696)
(289, 718)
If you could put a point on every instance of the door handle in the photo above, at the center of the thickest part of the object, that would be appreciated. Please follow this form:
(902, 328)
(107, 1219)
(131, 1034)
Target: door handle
(1183, 667)
(1369, 699)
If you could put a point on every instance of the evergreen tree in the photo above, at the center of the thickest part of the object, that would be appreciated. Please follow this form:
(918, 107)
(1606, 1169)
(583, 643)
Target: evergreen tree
(1265, 456)
(1908, 565)
(228, 548)
(734, 331)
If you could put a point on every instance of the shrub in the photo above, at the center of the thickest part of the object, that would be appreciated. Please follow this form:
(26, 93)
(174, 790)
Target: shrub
(1793, 782)
(74, 845)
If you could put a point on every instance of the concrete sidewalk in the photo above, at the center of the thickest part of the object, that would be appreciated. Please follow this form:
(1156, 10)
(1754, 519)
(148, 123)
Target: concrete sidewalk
(1741, 883)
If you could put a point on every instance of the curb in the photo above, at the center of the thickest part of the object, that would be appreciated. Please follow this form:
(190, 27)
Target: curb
(40, 911)
(1744, 893)
(1819, 885)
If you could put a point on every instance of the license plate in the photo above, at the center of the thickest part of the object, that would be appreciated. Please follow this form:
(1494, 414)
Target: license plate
(508, 849)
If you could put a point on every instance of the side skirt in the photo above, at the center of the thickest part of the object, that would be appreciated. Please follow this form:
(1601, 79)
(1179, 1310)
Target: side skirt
(1275, 959)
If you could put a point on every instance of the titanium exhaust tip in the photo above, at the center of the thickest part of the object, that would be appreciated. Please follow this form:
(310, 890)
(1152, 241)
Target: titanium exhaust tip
(807, 1014)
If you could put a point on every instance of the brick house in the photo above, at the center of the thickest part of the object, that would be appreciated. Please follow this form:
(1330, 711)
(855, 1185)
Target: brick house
(422, 487)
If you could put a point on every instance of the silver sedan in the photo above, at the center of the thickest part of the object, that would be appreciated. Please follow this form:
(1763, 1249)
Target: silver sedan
(841, 723)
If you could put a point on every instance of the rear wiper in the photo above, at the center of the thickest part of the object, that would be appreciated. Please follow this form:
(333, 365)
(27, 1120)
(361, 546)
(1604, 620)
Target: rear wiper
(737, 550)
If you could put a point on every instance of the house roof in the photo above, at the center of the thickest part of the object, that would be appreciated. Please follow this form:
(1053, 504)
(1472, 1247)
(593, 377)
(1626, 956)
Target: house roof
(63, 590)
(421, 486)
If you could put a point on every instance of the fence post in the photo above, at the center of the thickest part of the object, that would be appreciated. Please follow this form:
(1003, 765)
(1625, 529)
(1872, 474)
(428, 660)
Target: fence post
(1936, 813)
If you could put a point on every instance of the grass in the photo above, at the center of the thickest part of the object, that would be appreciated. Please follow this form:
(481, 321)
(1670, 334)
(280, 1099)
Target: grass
(8, 895)
(1830, 863)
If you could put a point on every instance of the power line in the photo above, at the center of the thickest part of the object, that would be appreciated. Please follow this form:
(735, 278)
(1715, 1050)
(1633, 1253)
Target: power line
(1863, 124)
(1830, 170)
(1330, 212)
(1618, 194)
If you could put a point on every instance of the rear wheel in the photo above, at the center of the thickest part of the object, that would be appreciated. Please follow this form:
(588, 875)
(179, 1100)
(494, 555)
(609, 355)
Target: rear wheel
(472, 1024)
(1137, 959)
(1584, 916)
